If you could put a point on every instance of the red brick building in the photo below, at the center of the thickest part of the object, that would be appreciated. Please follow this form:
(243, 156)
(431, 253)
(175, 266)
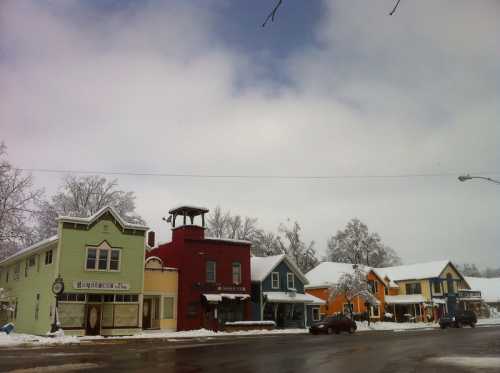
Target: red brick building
(214, 274)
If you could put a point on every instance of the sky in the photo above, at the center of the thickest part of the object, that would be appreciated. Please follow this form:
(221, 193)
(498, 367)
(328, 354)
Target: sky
(332, 87)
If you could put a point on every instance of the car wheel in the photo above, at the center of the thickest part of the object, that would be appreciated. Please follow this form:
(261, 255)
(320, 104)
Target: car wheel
(458, 324)
(329, 330)
(337, 331)
(352, 329)
(472, 324)
(443, 326)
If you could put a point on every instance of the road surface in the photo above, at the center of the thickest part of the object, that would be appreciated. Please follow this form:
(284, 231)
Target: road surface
(451, 350)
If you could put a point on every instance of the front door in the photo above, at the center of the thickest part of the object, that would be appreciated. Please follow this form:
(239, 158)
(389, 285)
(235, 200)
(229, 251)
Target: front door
(93, 324)
(146, 314)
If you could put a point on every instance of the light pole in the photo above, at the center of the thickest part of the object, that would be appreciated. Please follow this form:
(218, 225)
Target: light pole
(468, 177)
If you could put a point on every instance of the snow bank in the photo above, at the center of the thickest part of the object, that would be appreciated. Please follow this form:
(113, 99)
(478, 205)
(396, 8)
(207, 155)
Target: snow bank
(18, 339)
(394, 326)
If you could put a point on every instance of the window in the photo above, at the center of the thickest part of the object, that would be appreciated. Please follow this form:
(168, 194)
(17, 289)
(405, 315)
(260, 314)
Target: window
(7, 275)
(211, 272)
(315, 314)
(413, 288)
(374, 311)
(114, 261)
(168, 308)
(275, 280)
(91, 258)
(32, 261)
(108, 298)
(347, 308)
(126, 298)
(437, 287)
(94, 298)
(290, 280)
(48, 257)
(103, 259)
(373, 286)
(37, 306)
(236, 273)
(17, 271)
(72, 297)
(26, 268)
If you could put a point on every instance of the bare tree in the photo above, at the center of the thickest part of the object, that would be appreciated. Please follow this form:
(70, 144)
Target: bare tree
(304, 255)
(17, 206)
(217, 223)
(5, 301)
(356, 245)
(266, 244)
(351, 285)
(468, 269)
(84, 196)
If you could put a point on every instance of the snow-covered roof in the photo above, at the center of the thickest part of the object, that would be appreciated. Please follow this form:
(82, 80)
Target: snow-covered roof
(218, 297)
(187, 208)
(230, 240)
(262, 266)
(489, 287)
(91, 219)
(291, 297)
(31, 249)
(404, 299)
(414, 271)
(329, 273)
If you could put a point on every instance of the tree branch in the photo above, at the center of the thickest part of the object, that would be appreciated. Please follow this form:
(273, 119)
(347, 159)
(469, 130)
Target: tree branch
(394, 9)
(273, 13)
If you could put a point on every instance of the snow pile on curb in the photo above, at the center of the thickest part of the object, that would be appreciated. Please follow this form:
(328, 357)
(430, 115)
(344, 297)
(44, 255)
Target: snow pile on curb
(393, 326)
(494, 321)
(16, 339)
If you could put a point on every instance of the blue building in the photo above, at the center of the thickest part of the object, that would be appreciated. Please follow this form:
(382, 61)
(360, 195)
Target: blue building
(278, 292)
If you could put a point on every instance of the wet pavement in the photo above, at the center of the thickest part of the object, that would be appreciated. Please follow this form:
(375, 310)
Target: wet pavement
(451, 350)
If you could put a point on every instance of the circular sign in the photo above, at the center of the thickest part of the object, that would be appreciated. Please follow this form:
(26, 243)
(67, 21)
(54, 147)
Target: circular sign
(58, 286)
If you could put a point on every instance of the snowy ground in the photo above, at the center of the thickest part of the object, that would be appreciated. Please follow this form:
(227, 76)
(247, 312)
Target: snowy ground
(17, 339)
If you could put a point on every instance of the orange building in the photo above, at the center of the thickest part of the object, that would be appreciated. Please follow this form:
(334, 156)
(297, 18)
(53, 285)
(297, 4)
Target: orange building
(326, 274)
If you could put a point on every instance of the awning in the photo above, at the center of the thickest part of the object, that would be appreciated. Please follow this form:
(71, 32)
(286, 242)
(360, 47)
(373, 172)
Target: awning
(215, 298)
(292, 297)
(404, 299)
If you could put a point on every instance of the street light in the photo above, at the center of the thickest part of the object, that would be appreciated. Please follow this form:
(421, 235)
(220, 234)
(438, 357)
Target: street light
(57, 290)
(468, 177)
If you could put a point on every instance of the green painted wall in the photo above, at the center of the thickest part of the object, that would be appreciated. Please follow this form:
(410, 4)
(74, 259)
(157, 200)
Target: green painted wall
(72, 257)
(38, 281)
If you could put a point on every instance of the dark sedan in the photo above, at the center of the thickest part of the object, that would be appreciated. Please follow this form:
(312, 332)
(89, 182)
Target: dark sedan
(333, 324)
(461, 318)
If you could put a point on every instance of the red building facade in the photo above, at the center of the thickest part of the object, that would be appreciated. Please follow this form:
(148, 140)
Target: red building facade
(214, 274)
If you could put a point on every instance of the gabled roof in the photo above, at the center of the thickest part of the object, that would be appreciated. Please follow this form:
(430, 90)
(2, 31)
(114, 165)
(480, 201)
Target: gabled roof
(416, 271)
(262, 266)
(489, 287)
(89, 220)
(31, 249)
(329, 273)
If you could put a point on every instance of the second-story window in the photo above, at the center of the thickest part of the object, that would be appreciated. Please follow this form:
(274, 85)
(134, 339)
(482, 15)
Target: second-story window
(48, 257)
(236, 273)
(413, 288)
(373, 286)
(17, 271)
(211, 271)
(290, 280)
(275, 280)
(102, 259)
(437, 287)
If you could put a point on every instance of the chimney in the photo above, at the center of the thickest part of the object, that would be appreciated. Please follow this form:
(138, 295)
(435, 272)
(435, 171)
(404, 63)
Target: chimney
(151, 239)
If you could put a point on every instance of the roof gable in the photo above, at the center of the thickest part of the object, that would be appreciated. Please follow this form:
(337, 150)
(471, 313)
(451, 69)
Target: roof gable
(261, 267)
(107, 209)
(415, 271)
(329, 273)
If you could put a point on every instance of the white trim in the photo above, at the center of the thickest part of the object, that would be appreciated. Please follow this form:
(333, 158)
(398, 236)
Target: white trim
(89, 220)
(103, 247)
(272, 280)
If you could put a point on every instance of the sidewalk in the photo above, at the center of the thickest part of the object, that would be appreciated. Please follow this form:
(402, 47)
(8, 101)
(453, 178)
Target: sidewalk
(17, 339)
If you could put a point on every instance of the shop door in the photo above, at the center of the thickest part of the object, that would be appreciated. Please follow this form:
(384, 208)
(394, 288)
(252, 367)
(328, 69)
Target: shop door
(146, 314)
(93, 324)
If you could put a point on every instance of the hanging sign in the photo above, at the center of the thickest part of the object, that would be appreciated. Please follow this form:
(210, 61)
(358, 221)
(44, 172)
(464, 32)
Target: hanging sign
(100, 285)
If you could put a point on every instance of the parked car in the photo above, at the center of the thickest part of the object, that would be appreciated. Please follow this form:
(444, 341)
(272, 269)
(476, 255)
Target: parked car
(333, 324)
(461, 318)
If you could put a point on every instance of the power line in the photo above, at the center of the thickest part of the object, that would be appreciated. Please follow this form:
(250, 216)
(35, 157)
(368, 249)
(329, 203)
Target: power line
(242, 176)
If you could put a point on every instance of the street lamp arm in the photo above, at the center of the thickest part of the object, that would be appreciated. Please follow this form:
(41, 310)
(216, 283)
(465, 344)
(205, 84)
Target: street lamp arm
(468, 177)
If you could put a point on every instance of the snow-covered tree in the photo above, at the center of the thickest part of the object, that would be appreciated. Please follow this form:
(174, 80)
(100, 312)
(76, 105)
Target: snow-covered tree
(17, 202)
(352, 285)
(5, 302)
(468, 269)
(290, 240)
(83, 196)
(356, 245)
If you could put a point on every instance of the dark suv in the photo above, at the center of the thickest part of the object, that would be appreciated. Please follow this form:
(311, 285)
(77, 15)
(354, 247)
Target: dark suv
(333, 324)
(461, 318)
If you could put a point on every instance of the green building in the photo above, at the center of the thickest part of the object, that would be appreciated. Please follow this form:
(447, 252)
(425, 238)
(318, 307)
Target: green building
(101, 261)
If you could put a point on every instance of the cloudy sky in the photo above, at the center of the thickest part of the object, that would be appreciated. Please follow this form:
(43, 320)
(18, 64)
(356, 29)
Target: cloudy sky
(333, 87)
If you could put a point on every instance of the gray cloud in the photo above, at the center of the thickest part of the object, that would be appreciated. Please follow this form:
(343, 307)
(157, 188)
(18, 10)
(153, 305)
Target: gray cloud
(154, 89)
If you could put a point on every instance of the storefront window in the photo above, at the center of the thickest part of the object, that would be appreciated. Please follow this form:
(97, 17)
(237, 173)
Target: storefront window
(236, 273)
(168, 308)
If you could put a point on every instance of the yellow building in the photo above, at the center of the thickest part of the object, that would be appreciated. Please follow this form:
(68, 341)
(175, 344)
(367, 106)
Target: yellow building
(426, 291)
(160, 296)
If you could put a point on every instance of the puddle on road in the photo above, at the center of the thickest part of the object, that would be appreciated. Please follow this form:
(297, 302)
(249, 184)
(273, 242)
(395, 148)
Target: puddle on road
(57, 368)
